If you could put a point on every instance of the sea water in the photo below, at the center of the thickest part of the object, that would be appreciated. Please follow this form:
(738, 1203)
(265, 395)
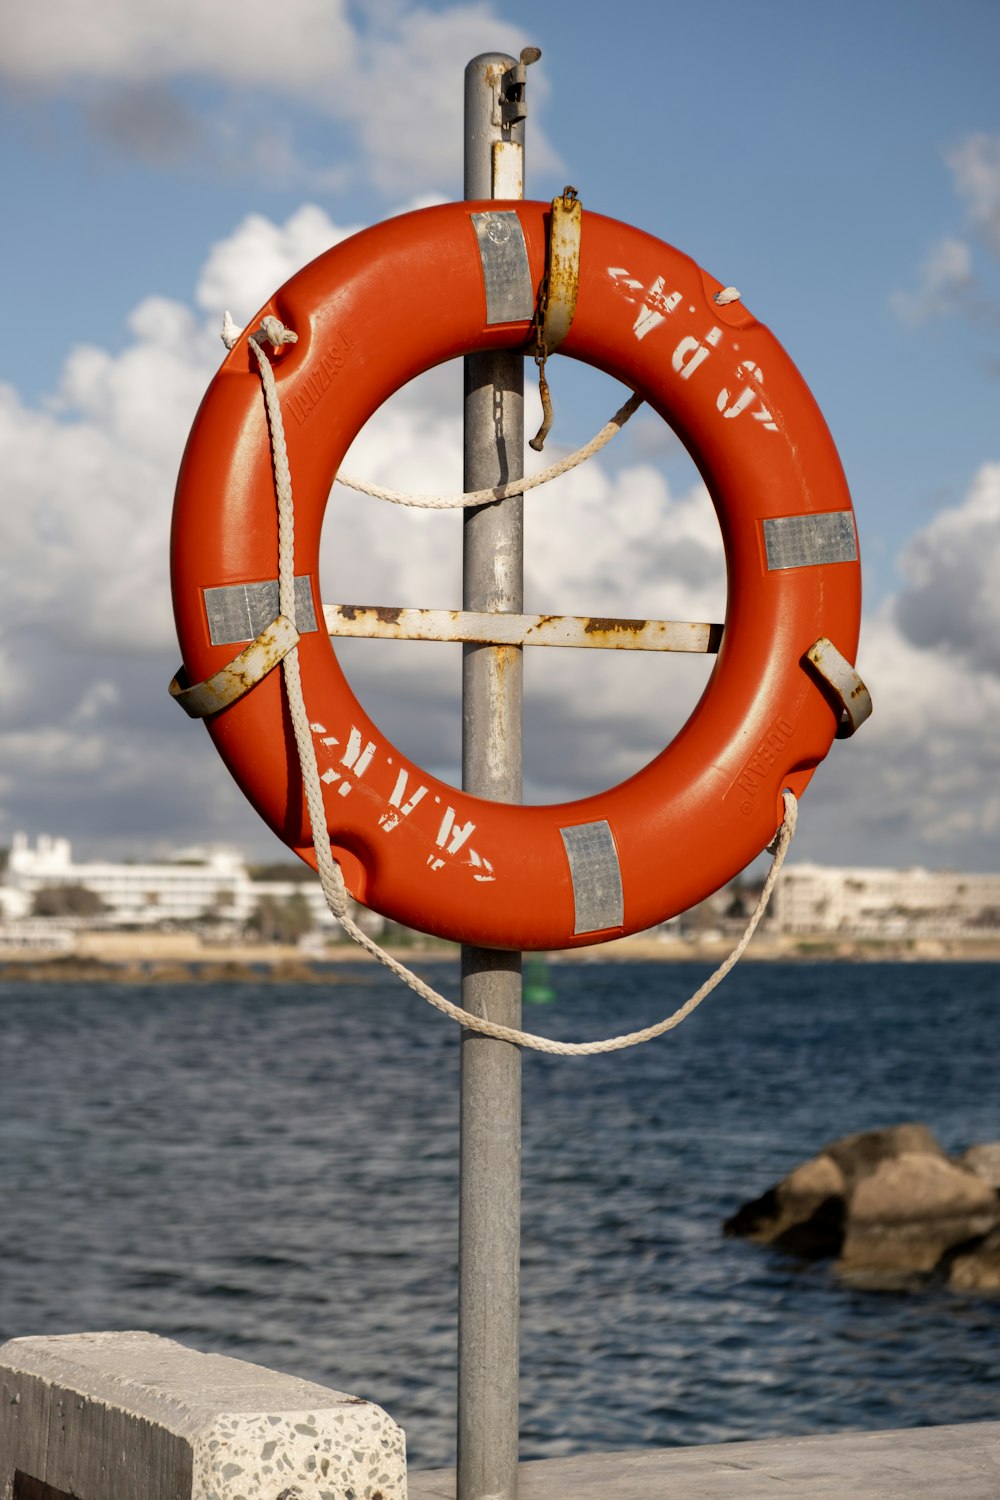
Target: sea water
(270, 1171)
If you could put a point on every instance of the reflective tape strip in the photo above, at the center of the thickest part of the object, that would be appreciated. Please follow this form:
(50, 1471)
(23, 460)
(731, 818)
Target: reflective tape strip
(597, 878)
(808, 541)
(241, 611)
(563, 278)
(849, 691)
(510, 296)
(240, 675)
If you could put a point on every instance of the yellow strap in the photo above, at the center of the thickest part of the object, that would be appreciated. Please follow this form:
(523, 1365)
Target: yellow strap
(563, 276)
(557, 299)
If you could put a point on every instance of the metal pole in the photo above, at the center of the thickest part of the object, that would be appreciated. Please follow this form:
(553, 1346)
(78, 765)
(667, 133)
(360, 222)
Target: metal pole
(490, 1152)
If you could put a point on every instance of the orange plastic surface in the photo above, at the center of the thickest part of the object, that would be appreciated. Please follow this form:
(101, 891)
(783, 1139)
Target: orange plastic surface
(372, 313)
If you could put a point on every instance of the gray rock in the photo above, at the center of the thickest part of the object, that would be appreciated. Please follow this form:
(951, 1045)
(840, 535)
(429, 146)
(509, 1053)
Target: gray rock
(803, 1214)
(888, 1205)
(910, 1211)
(984, 1161)
(977, 1269)
(859, 1155)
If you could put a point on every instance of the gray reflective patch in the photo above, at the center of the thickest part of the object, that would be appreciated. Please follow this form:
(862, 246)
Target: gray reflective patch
(807, 541)
(241, 611)
(510, 296)
(596, 875)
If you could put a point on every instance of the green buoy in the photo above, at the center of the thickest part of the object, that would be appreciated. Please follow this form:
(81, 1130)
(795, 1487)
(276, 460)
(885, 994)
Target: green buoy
(538, 989)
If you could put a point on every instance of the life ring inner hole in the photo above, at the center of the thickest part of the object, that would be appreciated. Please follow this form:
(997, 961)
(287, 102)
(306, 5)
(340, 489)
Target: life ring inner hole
(632, 533)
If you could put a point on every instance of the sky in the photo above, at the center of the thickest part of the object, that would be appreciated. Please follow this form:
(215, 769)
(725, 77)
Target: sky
(839, 165)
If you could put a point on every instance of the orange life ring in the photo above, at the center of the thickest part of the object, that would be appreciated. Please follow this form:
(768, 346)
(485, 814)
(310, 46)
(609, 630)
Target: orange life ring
(372, 313)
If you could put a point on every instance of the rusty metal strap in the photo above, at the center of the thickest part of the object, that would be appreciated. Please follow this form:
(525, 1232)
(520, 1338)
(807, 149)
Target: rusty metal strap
(562, 277)
(238, 676)
(557, 295)
(844, 684)
(373, 621)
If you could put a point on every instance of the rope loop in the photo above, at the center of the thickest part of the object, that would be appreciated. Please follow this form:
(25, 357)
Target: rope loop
(535, 1043)
(610, 429)
(330, 874)
(282, 335)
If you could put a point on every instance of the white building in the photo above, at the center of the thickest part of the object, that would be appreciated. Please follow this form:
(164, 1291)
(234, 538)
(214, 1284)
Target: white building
(214, 886)
(818, 899)
(195, 885)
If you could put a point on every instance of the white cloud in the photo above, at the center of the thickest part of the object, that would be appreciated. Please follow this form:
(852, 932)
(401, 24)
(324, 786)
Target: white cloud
(392, 77)
(305, 44)
(976, 169)
(944, 282)
(245, 268)
(84, 551)
(406, 95)
(78, 560)
(948, 281)
(920, 782)
(951, 595)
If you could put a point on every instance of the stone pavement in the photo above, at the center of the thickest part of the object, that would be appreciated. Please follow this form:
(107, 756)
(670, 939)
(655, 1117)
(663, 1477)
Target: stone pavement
(920, 1463)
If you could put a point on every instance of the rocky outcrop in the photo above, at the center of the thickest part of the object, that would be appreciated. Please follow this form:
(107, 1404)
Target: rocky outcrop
(803, 1214)
(910, 1211)
(984, 1161)
(859, 1155)
(977, 1269)
(889, 1205)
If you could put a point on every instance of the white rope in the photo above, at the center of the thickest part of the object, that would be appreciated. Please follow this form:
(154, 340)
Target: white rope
(514, 486)
(275, 333)
(331, 877)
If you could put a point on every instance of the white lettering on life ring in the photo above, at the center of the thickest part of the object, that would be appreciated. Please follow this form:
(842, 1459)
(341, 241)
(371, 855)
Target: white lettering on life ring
(691, 352)
(745, 399)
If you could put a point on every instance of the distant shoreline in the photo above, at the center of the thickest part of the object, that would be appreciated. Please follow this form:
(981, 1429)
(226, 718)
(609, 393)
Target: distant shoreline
(179, 958)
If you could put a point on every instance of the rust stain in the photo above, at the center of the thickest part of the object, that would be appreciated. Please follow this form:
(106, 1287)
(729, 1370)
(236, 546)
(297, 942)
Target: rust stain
(235, 679)
(603, 625)
(505, 658)
(563, 277)
(385, 614)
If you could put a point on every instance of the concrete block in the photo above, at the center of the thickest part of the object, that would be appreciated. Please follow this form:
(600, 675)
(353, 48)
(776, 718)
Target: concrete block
(130, 1416)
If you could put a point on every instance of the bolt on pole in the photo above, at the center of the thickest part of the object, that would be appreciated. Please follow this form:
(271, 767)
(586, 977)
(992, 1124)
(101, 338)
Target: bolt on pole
(490, 1128)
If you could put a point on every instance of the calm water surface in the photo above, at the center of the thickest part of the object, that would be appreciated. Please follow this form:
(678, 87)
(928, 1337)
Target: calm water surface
(271, 1172)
